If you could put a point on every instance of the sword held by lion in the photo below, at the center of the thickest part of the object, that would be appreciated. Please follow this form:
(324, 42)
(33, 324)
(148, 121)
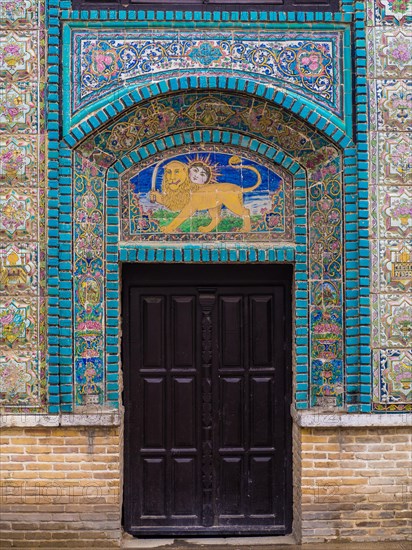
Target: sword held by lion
(180, 194)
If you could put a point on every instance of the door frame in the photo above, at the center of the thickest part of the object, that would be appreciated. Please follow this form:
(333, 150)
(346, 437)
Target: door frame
(151, 275)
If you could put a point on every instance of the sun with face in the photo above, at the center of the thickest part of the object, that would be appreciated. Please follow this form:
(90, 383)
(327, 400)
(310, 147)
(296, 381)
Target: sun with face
(202, 171)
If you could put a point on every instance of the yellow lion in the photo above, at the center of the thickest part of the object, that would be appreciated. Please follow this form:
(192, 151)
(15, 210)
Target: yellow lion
(180, 194)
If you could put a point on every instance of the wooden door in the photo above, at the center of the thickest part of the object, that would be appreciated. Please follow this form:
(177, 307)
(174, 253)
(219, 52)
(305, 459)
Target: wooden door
(207, 389)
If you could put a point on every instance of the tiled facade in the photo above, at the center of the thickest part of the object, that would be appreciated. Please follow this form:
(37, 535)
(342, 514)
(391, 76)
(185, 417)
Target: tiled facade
(22, 207)
(312, 111)
(389, 47)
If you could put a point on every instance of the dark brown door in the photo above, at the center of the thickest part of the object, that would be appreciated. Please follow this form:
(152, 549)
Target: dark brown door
(206, 352)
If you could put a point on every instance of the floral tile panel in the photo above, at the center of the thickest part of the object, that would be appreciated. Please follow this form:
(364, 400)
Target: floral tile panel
(18, 107)
(19, 13)
(18, 323)
(20, 379)
(393, 12)
(18, 55)
(392, 377)
(199, 110)
(395, 320)
(390, 52)
(394, 158)
(394, 265)
(18, 215)
(393, 99)
(19, 160)
(18, 268)
(395, 212)
(307, 62)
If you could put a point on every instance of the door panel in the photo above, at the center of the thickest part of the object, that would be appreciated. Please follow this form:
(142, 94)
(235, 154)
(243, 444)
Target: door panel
(231, 399)
(183, 408)
(207, 396)
(231, 333)
(184, 486)
(261, 483)
(261, 411)
(153, 420)
(152, 337)
(153, 487)
(183, 311)
(261, 330)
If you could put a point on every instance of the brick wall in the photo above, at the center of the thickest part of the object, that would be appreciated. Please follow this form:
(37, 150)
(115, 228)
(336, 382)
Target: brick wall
(60, 488)
(355, 484)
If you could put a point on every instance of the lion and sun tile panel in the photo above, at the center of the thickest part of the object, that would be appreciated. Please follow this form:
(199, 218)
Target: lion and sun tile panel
(23, 382)
(207, 195)
(390, 89)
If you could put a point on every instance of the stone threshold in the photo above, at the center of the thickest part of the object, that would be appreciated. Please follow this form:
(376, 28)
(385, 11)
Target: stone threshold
(255, 543)
(202, 543)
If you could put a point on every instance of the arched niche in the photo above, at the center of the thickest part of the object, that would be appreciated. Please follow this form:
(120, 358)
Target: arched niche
(205, 123)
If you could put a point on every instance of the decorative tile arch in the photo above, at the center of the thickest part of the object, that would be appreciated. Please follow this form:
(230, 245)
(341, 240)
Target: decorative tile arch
(106, 181)
(303, 108)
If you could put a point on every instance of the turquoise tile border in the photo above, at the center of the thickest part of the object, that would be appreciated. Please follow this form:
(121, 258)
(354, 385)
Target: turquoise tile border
(53, 210)
(192, 253)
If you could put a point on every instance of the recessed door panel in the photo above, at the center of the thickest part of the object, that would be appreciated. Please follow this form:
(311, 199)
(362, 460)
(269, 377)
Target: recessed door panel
(183, 327)
(184, 486)
(261, 330)
(231, 493)
(261, 411)
(184, 412)
(206, 354)
(231, 411)
(153, 396)
(261, 486)
(231, 334)
(153, 335)
(153, 487)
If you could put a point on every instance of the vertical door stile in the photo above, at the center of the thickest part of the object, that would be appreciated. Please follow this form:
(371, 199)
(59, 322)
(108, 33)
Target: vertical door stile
(207, 302)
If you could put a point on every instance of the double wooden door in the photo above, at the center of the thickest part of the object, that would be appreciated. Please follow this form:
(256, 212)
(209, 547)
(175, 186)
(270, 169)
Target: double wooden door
(207, 389)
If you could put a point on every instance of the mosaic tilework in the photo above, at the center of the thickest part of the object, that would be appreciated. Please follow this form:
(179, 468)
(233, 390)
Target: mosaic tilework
(390, 51)
(308, 63)
(202, 110)
(89, 309)
(22, 206)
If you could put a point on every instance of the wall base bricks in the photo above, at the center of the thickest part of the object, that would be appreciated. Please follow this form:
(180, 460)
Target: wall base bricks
(355, 484)
(68, 493)
(350, 484)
